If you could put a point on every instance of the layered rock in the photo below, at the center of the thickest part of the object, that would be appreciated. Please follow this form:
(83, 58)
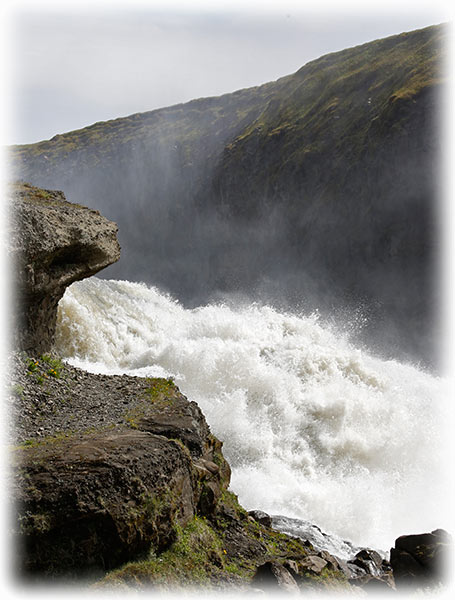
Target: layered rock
(52, 244)
(91, 501)
(144, 489)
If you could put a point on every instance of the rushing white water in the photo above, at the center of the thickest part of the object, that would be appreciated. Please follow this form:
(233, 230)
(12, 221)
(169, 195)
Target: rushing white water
(313, 428)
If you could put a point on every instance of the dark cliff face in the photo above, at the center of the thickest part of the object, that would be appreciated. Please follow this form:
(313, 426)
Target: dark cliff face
(319, 190)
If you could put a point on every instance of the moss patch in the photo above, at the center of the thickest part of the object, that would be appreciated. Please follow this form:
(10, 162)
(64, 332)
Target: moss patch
(197, 558)
(159, 390)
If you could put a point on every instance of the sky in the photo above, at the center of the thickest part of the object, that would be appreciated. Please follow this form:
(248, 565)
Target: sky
(70, 65)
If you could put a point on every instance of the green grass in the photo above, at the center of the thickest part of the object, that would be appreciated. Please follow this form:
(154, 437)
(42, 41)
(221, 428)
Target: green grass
(159, 389)
(44, 367)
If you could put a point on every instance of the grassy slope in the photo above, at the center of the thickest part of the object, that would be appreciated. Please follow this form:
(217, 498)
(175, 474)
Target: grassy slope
(323, 96)
(337, 107)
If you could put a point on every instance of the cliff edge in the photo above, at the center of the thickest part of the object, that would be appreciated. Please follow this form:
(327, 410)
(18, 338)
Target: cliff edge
(52, 243)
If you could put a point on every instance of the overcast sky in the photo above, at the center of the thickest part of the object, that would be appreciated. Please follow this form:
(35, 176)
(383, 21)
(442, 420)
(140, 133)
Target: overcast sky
(72, 65)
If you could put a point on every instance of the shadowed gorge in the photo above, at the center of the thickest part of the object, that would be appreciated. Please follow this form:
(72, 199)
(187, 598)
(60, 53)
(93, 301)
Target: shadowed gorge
(317, 191)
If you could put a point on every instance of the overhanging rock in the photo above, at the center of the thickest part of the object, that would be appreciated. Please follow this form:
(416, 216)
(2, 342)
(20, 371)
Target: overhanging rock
(52, 243)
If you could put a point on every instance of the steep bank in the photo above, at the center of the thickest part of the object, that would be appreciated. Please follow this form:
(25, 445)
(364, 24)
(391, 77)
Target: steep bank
(111, 470)
(317, 190)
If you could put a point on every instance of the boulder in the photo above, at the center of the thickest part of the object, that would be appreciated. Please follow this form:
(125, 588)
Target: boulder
(369, 561)
(421, 560)
(312, 564)
(333, 563)
(261, 517)
(94, 501)
(52, 243)
(272, 576)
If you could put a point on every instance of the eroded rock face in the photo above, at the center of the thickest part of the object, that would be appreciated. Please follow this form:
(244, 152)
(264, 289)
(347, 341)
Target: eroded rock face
(96, 501)
(87, 502)
(52, 243)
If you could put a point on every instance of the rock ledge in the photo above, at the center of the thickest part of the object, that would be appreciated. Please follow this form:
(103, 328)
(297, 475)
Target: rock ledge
(52, 243)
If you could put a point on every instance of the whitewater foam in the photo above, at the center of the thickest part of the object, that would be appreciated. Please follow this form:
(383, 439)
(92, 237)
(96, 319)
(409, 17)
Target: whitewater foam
(313, 427)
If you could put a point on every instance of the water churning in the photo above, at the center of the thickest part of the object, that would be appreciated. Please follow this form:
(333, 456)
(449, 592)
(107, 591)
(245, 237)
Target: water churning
(313, 427)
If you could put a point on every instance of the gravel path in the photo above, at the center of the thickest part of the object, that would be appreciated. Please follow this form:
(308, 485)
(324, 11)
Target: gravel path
(47, 397)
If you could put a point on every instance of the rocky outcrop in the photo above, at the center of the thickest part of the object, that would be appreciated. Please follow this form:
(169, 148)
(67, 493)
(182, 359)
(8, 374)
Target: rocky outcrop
(421, 560)
(119, 471)
(123, 473)
(52, 244)
(91, 501)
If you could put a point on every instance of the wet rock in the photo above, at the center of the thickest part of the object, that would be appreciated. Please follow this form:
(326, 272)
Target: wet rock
(52, 243)
(369, 561)
(261, 517)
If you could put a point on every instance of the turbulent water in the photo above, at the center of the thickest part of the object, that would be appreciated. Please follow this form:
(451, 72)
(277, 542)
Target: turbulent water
(313, 427)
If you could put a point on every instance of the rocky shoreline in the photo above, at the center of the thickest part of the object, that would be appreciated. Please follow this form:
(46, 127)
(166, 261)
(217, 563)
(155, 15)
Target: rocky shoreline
(117, 482)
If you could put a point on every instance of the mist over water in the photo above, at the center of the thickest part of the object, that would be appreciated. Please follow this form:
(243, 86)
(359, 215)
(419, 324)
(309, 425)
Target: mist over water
(313, 427)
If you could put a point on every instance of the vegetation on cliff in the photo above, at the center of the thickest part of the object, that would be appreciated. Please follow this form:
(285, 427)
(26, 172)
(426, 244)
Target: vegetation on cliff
(347, 89)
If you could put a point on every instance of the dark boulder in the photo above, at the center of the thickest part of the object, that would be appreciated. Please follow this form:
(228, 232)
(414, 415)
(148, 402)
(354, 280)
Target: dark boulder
(369, 561)
(87, 502)
(92, 502)
(273, 576)
(261, 517)
(421, 560)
